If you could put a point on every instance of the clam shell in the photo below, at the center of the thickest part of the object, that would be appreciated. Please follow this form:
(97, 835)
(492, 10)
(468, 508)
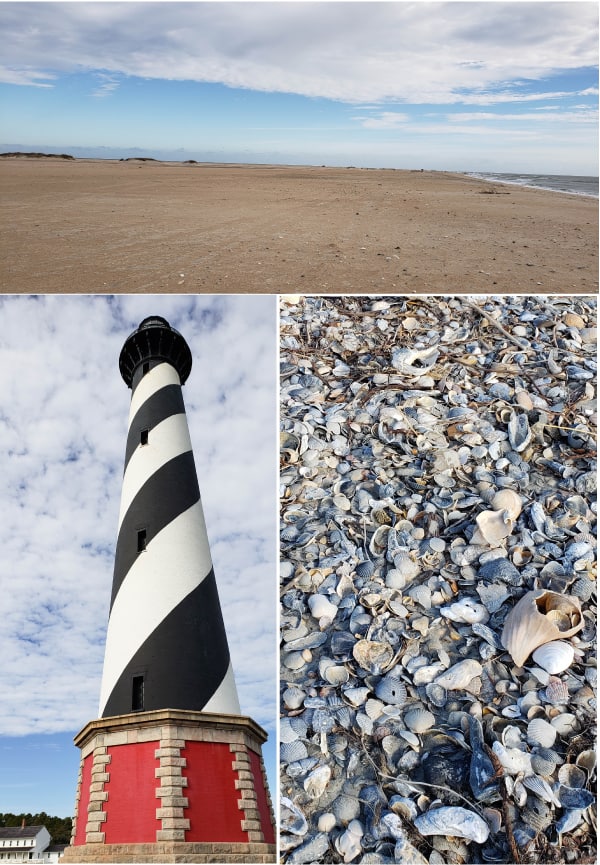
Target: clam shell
(453, 821)
(527, 626)
(540, 732)
(419, 719)
(460, 675)
(336, 675)
(326, 822)
(373, 656)
(554, 657)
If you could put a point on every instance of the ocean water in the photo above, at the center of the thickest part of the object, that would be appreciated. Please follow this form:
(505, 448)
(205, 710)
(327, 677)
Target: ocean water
(574, 184)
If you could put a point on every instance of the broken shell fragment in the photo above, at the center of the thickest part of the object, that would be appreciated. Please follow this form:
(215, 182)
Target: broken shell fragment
(492, 527)
(322, 609)
(458, 677)
(538, 618)
(453, 821)
(507, 500)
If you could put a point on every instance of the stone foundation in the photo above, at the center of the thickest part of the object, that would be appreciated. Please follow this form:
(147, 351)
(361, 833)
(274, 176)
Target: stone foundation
(176, 851)
(172, 786)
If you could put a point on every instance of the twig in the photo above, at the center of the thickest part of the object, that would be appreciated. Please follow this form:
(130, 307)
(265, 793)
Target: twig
(521, 343)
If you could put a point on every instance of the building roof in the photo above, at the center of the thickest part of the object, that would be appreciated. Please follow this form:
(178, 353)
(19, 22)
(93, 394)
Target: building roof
(20, 831)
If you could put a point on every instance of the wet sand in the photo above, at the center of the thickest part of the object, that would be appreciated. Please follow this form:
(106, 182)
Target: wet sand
(110, 226)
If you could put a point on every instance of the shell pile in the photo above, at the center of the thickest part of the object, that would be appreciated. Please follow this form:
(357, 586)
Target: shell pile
(438, 582)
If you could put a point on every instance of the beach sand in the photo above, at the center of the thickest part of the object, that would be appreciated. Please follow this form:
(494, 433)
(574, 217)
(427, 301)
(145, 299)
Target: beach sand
(131, 226)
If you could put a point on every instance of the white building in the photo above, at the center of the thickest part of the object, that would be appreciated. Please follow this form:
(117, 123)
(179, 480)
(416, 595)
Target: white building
(29, 844)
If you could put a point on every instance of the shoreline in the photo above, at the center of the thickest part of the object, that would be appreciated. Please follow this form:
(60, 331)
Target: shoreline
(101, 225)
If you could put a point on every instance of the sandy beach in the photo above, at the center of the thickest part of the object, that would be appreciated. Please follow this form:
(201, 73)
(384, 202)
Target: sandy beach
(143, 226)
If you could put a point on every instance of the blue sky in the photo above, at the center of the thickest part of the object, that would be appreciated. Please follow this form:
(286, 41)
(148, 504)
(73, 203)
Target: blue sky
(63, 423)
(459, 86)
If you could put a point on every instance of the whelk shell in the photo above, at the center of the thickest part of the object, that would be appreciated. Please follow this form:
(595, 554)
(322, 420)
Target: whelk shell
(533, 621)
(453, 821)
(555, 656)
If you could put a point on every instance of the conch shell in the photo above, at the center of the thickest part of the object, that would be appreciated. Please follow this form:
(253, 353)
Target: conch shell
(538, 618)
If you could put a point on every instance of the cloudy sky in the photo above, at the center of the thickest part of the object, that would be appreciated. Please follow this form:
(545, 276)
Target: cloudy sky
(460, 86)
(63, 425)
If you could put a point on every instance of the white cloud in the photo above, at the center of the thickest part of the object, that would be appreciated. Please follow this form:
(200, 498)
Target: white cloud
(356, 52)
(63, 422)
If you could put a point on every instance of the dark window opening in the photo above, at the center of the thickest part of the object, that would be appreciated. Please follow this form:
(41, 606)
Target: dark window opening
(141, 540)
(144, 436)
(146, 367)
(137, 694)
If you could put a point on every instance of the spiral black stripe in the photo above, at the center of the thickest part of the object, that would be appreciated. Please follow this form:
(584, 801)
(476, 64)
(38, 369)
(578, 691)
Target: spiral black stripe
(196, 631)
(160, 405)
(169, 492)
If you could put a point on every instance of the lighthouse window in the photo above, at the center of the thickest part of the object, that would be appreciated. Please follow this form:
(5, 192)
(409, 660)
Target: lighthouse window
(137, 694)
(144, 436)
(141, 540)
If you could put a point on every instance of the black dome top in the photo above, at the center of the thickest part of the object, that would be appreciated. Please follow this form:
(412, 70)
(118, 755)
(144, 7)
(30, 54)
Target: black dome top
(155, 340)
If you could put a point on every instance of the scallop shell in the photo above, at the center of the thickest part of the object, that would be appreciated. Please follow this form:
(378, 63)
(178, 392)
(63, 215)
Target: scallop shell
(509, 501)
(391, 690)
(540, 732)
(453, 821)
(365, 569)
(373, 656)
(460, 675)
(544, 762)
(554, 657)
(418, 719)
(290, 752)
(293, 697)
(528, 626)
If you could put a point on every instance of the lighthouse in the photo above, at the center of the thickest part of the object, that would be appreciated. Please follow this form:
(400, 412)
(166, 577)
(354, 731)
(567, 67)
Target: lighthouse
(171, 771)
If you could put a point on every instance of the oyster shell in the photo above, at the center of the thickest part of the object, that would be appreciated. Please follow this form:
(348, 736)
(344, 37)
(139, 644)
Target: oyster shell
(453, 821)
(538, 618)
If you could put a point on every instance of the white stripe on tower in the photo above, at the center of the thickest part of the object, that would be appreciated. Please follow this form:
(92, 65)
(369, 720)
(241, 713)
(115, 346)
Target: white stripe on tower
(166, 645)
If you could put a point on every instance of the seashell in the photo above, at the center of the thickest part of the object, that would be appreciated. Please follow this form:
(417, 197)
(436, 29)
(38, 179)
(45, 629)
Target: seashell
(336, 675)
(500, 569)
(454, 821)
(316, 781)
(421, 595)
(326, 822)
(507, 500)
(290, 752)
(437, 694)
(513, 760)
(379, 541)
(544, 761)
(341, 645)
(527, 626)
(365, 569)
(572, 775)
(519, 432)
(569, 820)
(391, 690)
(583, 588)
(537, 814)
(460, 675)
(346, 808)
(564, 724)
(465, 611)
(322, 609)
(293, 660)
(311, 850)
(587, 760)
(356, 696)
(540, 732)
(293, 697)
(575, 797)
(540, 788)
(410, 361)
(556, 691)
(373, 656)
(406, 565)
(492, 528)
(554, 657)
(292, 728)
(292, 818)
(419, 719)
(348, 843)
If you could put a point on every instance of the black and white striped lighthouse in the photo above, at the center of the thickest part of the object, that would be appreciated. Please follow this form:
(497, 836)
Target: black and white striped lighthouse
(171, 769)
